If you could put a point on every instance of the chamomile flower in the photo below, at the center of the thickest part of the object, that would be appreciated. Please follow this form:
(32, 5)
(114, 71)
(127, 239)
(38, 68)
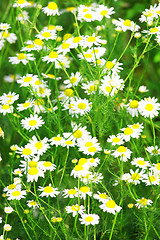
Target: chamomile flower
(22, 17)
(84, 191)
(80, 106)
(12, 187)
(11, 78)
(151, 31)
(75, 209)
(39, 106)
(86, 15)
(90, 87)
(136, 176)
(8, 210)
(89, 41)
(47, 35)
(27, 80)
(21, 57)
(4, 26)
(6, 108)
(101, 197)
(88, 55)
(79, 171)
(10, 37)
(9, 98)
(151, 178)
(34, 173)
(21, 3)
(143, 89)
(104, 11)
(110, 206)
(129, 132)
(71, 193)
(52, 57)
(123, 152)
(57, 140)
(126, 25)
(89, 146)
(115, 139)
(32, 204)
(149, 107)
(7, 227)
(113, 66)
(48, 191)
(89, 219)
(40, 145)
(68, 140)
(79, 132)
(16, 194)
(132, 107)
(18, 172)
(51, 9)
(153, 150)
(23, 106)
(32, 123)
(46, 165)
(141, 163)
(143, 202)
(74, 79)
(156, 168)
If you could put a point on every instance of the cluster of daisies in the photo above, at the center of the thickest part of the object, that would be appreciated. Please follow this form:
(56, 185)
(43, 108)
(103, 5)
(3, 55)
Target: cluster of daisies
(54, 52)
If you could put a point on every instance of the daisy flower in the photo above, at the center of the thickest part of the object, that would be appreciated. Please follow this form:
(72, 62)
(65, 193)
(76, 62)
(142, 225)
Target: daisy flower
(22, 17)
(132, 107)
(89, 219)
(71, 193)
(89, 145)
(74, 79)
(123, 152)
(90, 87)
(79, 132)
(11, 78)
(79, 171)
(27, 80)
(16, 194)
(110, 206)
(136, 176)
(153, 150)
(151, 178)
(47, 35)
(155, 168)
(57, 140)
(126, 25)
(7, 227)
(4, 26)
(40, 145)
(68, 140)
(8, 210)
(32, 123)
(84, 191)
(89, 56)
(75, 209)
(51, 9)
(21, 57)
(143, 89)
(143, 202)
(52, 57)
(129, 132)
(18, 172)
(33, 174)
(88, 16)
(32, 203)
(9, 98)
(23, 106)
(101, 197)
(80, 106)
(141, 163)
(48, 191)
(46, 165)
(10, 37)
(115, 139)
(113, 66)
(89, 41)
(104, 11)
(21, 4)
(6, 108)
(149, 107)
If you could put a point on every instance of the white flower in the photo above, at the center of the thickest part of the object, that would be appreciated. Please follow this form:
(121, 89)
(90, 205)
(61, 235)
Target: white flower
(51, 9)
(153, 150)
(89, 219)
(16, 194)
(48, 191)
(141, 163)
(110, 206)
(102, 197)
(149, 107)
(21, 57)
(8, 210)
(32, 123)
(75, 209)
(21, 3)
(143, 202)
(32, 203)
(122, 151)
(7, 227)
(126, 25)
(132, 107)
(71, 193)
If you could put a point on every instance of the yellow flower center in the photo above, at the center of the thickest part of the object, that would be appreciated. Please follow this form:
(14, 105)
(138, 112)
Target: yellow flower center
(134, 104)
(48, 189)
(69, 9)
(88, 55)
(26, 151)
(47, 164)
(53, 54)
(32, 164)
(88, 144)
(141, 162)
(91, 39)
(89, 219)
(82, 161)
(31, 46)
(158, 166)
(51, 75)
(75, 208)
(127, 23)
(11, 186)
(103, 195)
(39, 102)
(38, 42)
(38, 145)
(92, 88)
(121, 149)
(109, 65)
(128, 131)
(115, 140)
(16, 193)
(143, 201)
(32, 122)
(71, 106)
(5, 107)
(82, 106)
(103, 12)
(25, 105)
(92, 149)
(135, 176)
(52, 6)
(73, 79)
(153, 30)
(68, 142)
(78, 168)
(77, 39)
(38, 82)
(152, 179)
(46, 34)
(5, 34)
(88, 15)
(69, 92)
(110, 204)
(72, 191)
(91, 160)
(57, 139)
(21, 1)
(65, 45)
(21, 56)
(84, 189)
(135, 126)
(154, 151)
(77, 134)
(33, 171)
(27, 79)
(149, 107)
(33, 203)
